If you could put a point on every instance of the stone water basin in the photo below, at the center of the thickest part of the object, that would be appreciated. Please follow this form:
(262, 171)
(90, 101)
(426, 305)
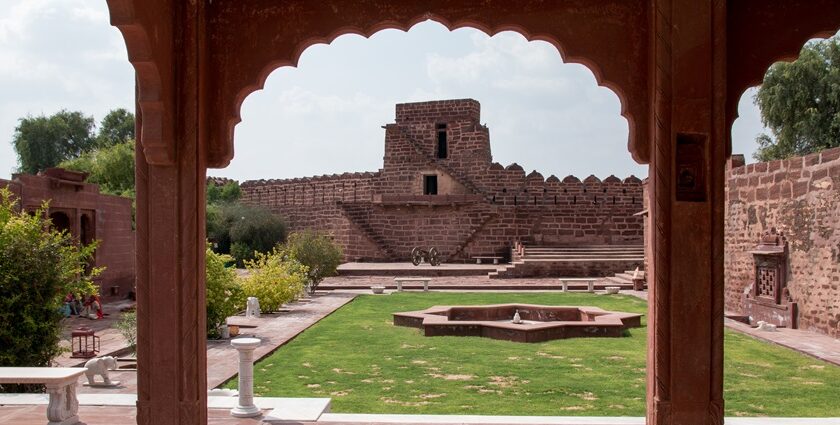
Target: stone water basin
(539, 322)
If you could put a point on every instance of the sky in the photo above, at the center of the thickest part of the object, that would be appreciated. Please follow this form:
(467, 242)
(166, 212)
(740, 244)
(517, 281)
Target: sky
(325, 115)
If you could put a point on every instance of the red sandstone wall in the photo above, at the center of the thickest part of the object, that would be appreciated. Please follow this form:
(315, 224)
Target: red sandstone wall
(800, 197)
(383, 215)
(112, 218)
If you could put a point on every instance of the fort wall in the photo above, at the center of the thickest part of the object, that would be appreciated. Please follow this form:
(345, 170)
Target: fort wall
(480, 207)
(800, 197)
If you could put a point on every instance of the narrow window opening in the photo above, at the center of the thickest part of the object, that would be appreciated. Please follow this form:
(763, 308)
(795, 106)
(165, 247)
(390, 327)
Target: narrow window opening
(430, 185)
(442, 148)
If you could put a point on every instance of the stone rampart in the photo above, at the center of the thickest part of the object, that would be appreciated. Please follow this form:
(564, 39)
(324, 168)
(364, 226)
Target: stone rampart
(801, 198)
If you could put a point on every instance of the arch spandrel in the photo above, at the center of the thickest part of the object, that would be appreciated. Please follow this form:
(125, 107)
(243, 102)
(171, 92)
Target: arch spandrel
(761, 33)
(248, 39)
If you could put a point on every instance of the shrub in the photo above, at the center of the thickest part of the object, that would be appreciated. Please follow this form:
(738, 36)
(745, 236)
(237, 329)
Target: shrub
(317, 252)
(127, 325)
(253, 228)
(228, 192)
(38, 268)
(224, 294)
(275, 279)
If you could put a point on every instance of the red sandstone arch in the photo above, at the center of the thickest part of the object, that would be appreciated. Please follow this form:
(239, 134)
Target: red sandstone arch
(607, 38)
(669, 57)
(592, 66)
(760, 35)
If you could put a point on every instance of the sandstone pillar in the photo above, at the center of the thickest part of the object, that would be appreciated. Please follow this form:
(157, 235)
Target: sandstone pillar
(685, 351)
(170, 244)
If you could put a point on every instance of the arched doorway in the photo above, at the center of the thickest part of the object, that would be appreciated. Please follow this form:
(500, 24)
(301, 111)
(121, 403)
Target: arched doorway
(61, 221)
(674, 64)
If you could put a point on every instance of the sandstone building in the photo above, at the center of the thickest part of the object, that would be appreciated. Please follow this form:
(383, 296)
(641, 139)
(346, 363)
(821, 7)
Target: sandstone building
(79, 208)
(440, 187)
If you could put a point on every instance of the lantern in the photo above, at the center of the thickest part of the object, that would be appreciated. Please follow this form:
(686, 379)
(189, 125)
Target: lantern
(84, 344)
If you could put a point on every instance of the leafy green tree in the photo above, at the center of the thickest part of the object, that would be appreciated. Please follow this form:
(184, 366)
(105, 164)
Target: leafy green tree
(117, 127)
(43, 142)
(39, 266)
(800, 103)
(228, 192)
(317, 252)
(111, 167)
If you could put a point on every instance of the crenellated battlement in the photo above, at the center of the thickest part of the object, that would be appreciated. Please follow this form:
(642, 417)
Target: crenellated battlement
(440, 187)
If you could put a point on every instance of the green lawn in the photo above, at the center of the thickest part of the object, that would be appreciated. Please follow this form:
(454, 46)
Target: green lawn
(365, 364)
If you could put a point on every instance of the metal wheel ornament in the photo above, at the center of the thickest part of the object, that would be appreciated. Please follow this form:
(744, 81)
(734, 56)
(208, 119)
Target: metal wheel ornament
(434, 257)
(416, 256)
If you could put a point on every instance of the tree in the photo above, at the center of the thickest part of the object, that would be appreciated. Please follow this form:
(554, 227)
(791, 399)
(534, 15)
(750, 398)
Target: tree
(111, 167)
(241, 230)
(43, 142)
(317, 252)
(38, 267)
(117, 127)
(800, 103)
(228, 192)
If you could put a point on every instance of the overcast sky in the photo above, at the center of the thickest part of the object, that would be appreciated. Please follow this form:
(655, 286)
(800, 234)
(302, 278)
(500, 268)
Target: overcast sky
(325, 116)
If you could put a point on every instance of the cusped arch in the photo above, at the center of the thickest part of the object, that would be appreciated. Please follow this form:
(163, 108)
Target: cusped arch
(581, 47)
(610, 40)
(759, 35)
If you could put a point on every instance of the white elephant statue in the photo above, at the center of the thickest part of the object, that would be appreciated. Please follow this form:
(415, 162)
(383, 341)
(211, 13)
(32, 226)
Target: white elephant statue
(252, 308)
(100, 366)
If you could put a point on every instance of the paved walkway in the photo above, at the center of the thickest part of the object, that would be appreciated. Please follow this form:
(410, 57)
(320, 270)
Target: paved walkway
(814, 344)
(273, 329)
(465, 283)
(110, 339)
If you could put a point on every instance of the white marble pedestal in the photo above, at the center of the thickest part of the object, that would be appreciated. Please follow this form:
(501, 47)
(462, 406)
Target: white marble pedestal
(246, 407)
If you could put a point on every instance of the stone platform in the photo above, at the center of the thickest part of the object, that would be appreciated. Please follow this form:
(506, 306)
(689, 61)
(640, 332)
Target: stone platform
(408, 269)
(463, 283)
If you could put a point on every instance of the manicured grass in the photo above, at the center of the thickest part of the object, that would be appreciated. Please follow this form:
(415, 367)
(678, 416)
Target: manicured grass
(365, 364)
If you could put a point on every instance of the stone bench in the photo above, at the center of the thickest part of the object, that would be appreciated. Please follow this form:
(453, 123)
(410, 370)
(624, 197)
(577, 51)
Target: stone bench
(590, 282)
(495, 259)
(401, 280)
(61, 383)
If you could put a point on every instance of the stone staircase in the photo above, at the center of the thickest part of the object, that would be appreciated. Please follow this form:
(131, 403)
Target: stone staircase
(623, 279)
(460, 250)
(358, 214)
(572, 261)
(457, 176)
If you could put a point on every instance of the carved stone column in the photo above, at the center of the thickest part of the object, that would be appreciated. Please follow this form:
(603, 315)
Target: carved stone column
(170, 241)
(685, 353)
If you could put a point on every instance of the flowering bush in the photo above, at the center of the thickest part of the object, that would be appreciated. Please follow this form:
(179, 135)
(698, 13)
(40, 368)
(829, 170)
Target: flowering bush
(274, 278)
(224, 294)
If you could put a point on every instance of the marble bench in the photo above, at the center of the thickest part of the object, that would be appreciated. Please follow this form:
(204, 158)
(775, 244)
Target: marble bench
(589, 281)
(401, 280)
(61, 383)
(495, 259)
